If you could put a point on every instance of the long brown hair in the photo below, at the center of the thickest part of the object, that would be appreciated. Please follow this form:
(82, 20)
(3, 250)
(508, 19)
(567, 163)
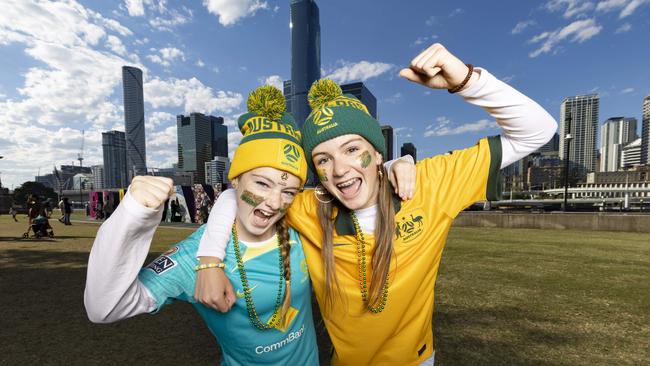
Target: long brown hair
(382, 255)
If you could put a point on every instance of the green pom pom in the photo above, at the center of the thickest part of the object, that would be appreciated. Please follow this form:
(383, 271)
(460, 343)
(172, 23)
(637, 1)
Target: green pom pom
(267, 101)
(323, 91)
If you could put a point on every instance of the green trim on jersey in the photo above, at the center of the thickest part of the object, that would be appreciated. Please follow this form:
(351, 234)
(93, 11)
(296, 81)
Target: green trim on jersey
(493, 190)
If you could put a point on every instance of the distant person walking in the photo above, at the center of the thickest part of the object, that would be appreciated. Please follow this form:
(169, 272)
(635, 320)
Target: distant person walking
(13, 212)
(67, 211)
(99, 210)
(61, 208)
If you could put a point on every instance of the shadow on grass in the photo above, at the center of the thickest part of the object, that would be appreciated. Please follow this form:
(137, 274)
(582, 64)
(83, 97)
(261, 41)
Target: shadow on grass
(504, 335)
(43, 239)
(44, 320)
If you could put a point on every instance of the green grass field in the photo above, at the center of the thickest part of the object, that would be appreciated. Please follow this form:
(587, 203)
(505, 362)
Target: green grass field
(516, 297)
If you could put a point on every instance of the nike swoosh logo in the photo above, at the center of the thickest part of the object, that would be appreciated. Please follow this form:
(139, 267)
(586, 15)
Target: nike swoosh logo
(240, 294)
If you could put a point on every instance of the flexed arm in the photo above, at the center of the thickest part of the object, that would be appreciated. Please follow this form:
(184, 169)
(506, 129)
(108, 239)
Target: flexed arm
(113, 291)
(525, 125)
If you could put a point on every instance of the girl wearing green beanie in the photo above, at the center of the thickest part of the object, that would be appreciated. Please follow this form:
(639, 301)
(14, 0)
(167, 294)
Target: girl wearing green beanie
(373, 260)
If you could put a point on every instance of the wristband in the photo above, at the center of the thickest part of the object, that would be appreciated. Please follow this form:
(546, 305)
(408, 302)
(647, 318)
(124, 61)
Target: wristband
(209, 265)
(458, 87)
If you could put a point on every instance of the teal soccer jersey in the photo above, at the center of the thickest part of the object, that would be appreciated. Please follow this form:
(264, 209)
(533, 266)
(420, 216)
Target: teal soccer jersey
(172, 277)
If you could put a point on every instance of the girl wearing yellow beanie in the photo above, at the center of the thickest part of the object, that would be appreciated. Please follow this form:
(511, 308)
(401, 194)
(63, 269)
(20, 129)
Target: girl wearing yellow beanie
(271, 318)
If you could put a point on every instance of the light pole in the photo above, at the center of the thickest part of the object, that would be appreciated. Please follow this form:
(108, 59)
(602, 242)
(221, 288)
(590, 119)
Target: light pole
(567, 140)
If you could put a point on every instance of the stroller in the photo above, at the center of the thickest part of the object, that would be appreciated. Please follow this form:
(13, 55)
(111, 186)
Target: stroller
(41, 227)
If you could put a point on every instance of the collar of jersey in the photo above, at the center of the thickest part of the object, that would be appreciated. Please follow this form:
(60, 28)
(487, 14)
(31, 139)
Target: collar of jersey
(343, 222)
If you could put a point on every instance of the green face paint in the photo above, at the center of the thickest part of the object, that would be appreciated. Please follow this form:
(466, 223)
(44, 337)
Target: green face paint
(365, 159)
(251, 198)
(284, 208)
(322, 176)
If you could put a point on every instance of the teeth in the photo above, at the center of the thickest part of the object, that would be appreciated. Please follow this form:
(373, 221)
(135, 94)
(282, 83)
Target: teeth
(347, 183)
(267, 214)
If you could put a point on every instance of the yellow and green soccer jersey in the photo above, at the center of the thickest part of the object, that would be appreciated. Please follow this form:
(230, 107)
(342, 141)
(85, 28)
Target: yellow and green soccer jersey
(401, 334)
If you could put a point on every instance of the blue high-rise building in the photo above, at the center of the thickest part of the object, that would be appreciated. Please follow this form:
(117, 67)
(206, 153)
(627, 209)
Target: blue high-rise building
(219, 137)
(305, 55)
(115, 157)
(136, 154)
(361, 92)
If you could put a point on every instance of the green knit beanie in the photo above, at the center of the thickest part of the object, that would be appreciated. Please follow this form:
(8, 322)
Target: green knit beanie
(335, 114)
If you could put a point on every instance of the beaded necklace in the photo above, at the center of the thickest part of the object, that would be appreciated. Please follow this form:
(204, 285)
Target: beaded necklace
(250, 306)
(361, 262)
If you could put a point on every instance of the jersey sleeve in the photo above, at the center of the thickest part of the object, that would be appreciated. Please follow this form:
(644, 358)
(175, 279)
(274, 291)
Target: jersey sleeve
(462, 177)
(171, 276)
(303, 212)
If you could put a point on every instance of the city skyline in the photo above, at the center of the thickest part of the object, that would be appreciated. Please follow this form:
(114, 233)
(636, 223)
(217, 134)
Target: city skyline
(61, 66)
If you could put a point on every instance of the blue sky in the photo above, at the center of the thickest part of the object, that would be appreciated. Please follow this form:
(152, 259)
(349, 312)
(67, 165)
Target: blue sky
(60, 65)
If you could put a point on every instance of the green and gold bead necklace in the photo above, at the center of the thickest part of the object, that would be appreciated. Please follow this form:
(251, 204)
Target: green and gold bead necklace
(361, 262)
(252, 313)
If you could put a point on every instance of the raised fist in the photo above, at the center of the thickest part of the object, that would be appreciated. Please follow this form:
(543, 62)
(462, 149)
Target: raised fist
(151, 191)
(437, 68)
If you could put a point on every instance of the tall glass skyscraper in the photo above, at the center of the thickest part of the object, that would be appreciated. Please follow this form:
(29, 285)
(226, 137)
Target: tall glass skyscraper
(114, 152)
(615, 133)
(645, 131)
(583, 151)
(136, 154)
(194, 144)
(305, 55)
(219, 137)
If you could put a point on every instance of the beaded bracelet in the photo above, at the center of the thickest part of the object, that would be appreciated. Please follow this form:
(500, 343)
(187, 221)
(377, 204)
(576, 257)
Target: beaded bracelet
(209, 265)
(458, 87)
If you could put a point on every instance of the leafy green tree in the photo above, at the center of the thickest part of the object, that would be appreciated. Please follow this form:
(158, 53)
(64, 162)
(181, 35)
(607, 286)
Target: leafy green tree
(21, 193)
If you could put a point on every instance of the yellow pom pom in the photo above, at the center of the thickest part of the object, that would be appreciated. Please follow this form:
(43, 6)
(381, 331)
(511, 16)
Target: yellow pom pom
(267, 101)
(323, 91)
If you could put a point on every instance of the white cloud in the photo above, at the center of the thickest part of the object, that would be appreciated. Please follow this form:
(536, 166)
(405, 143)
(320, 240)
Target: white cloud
(158, 118)
(507, 79)
(442, 127)
(162, 147)
(70, 87)
(231, 11)
(135, 7)
(216, 70)
(274, 80)
(200, 63)
(578, 31)
(571, 7)
(116, 45)
(190, 94)
(631, 7)
(627, 91)
(167, 56)
(521, 26)
(627, 7)
(624, 28)
(174, 19)
(142, 41)
(425, 39)
(359, 71)
(394, 99)
(610, 5)
(455, 12)
(233, 141)
(431, 21)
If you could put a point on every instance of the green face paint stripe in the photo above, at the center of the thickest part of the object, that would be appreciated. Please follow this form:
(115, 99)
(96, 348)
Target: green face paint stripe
(365, 159)
(322, 176)
(251, 198)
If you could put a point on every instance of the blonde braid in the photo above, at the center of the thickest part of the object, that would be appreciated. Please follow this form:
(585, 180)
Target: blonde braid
(285, 249)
